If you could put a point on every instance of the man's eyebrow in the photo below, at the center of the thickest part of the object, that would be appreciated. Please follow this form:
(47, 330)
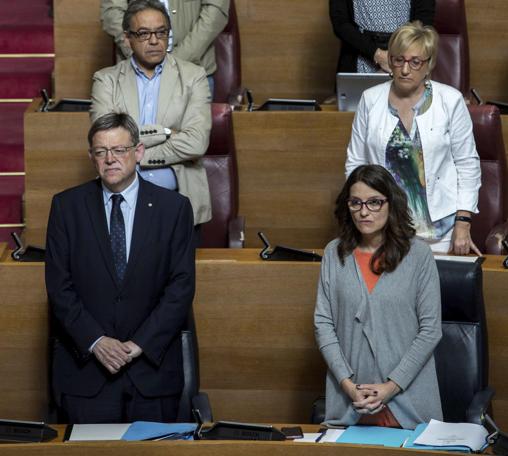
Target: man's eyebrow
(146, 29)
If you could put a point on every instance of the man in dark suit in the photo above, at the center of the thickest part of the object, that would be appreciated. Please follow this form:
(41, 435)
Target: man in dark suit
(120, 279)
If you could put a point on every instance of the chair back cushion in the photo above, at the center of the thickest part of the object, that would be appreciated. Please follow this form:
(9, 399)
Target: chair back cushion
(221, 180)
(222, 173)
(452, 65)
(458, 368)
(222, 139)
(493, 205)
(228, 76)
(190, 362)
(462, 354)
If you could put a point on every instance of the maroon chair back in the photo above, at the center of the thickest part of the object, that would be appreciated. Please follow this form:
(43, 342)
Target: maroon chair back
(222, 173)
(452, 65)
(490, 145)
(228, 76)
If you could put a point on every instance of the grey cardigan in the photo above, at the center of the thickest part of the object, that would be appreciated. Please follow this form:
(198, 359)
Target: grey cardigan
(390, 333)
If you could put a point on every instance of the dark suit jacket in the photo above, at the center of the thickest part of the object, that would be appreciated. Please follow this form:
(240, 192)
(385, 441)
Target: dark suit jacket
(354, 42)
(149, 307)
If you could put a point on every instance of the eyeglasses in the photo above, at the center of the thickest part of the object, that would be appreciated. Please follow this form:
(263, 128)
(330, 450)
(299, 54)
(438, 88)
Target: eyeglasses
(373, 205)
(145, 35)
(414, 62)
(117, 151)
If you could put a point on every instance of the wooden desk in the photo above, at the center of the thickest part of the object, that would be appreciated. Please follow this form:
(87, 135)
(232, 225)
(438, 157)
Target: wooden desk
(204, 448)
(258, 358)
(290, 165)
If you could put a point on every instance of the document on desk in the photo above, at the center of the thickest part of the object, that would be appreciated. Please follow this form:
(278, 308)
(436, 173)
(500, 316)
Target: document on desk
(309, 437)
(139, 430)
(328, 436)
(460, 436)
(90, 432)
(148, 430)
(331, 435)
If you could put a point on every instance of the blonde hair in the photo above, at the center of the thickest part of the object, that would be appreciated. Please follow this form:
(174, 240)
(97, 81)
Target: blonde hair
(415, 33)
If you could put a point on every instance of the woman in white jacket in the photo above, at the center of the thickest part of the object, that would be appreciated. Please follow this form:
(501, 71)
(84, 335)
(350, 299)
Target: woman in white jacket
(421, 131)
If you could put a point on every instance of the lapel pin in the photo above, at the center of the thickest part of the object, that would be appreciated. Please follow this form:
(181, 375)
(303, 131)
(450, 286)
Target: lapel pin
(149, 204)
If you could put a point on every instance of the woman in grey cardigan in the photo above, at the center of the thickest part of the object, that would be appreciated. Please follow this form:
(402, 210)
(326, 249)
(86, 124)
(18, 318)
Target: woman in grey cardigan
(378, 310)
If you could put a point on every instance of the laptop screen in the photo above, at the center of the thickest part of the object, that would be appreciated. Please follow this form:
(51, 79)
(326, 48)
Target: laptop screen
(350, 87)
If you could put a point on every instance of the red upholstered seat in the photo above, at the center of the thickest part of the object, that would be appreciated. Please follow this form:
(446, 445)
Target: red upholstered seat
(490, 225)
(228, 77)
(452, 65)
(226, 228)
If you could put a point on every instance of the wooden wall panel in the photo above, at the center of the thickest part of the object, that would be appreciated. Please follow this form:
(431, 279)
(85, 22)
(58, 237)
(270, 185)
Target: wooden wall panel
(81, 47)
(264, 365)
(23, 343)
(495, 290)
(290, 165)
(56, 158)
(288, 47)
(488, 36)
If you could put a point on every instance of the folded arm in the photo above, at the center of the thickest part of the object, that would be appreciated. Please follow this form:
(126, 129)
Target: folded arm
(189, 140)
(112, 12)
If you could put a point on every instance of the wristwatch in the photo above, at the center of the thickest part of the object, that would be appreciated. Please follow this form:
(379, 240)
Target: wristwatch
(463, 218)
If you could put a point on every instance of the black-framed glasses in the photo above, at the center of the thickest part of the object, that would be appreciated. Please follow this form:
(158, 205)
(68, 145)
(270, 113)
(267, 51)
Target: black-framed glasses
(415, 63)
(145, 35)
(373, 204)
(117, 151)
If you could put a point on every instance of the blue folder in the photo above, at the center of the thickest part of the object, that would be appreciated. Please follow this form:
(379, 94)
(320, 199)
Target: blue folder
(147, 430)
(374, 435)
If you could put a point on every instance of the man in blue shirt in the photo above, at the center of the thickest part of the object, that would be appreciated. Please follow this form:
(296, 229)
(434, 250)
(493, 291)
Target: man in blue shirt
(170, 100)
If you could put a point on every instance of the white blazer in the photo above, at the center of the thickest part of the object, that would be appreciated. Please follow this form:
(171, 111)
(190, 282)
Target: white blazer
(451, 162)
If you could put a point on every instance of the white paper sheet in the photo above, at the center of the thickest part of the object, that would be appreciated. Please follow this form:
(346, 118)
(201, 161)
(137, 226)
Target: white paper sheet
(81, 432)
(331, 435)
(309, 437)
(459, 258)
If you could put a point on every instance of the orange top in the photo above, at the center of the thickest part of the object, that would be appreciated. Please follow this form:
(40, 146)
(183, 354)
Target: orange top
(385, 417)
(363, 260)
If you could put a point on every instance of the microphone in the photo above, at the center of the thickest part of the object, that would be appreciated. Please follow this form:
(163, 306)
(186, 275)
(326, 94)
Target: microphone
(505, 245)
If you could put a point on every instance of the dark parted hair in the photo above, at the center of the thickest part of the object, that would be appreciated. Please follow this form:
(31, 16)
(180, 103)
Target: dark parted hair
(135, 6)
(398, 230)
(114, 120)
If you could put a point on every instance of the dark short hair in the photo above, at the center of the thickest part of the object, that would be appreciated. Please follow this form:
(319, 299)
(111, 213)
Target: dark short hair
(398, 230)
(114, 120)
(136, 6)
